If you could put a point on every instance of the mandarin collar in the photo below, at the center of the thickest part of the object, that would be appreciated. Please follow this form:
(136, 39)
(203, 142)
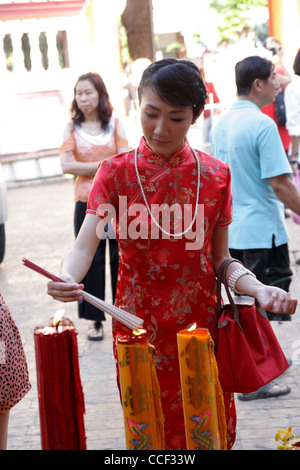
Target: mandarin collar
(159, 159)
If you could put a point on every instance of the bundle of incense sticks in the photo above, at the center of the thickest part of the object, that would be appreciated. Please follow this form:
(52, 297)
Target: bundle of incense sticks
(129, 320)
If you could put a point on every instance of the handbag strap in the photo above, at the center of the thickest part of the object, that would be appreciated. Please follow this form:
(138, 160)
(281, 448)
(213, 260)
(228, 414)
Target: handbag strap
(222, 279)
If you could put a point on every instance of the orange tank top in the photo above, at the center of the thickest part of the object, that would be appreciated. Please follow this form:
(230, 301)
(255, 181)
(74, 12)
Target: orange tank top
(91, 148)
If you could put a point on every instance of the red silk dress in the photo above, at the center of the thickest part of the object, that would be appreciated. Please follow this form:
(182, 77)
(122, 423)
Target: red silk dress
(167, 281)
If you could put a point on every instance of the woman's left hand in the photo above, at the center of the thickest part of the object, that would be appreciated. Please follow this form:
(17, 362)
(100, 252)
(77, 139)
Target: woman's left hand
(275, 300)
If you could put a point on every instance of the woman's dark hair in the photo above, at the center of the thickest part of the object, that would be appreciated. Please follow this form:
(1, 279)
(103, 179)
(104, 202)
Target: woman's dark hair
(105, 108)
(248, 70)
(177, 82)
(296, 65)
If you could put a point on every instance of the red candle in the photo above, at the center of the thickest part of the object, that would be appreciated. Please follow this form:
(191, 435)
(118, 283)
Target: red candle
(61, 399)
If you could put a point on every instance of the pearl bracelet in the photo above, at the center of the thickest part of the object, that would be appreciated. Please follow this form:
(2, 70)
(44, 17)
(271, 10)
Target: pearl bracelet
(235, 276)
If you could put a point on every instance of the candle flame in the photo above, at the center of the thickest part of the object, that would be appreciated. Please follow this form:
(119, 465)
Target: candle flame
(57, 317)
(193, 327)
(138, 332)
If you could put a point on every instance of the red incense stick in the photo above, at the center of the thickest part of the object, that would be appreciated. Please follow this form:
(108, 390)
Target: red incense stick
(128, 319)
(40, 270)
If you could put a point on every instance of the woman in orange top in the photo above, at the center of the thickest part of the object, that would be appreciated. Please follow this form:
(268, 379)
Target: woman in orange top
(92, 135)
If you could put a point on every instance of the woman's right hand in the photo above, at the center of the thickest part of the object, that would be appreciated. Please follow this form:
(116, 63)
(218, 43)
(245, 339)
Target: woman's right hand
(68, 291)
(77, 262)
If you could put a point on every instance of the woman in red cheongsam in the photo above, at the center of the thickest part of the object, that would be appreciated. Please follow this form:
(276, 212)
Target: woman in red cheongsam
(167, 280)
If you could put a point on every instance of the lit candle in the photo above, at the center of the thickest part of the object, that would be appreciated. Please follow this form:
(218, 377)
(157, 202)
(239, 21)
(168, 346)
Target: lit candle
(61, 399)
(140, 392)
(204, 412)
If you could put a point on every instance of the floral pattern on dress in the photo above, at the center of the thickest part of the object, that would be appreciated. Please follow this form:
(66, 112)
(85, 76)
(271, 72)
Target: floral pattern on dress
(14, 379)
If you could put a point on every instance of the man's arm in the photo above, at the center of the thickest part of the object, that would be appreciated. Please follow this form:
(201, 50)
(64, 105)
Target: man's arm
(286, 192)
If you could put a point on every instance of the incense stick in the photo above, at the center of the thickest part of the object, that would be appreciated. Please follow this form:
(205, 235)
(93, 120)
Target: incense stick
(131, 321)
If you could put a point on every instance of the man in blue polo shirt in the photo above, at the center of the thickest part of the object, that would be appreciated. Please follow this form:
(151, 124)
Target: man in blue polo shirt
(249, 142)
